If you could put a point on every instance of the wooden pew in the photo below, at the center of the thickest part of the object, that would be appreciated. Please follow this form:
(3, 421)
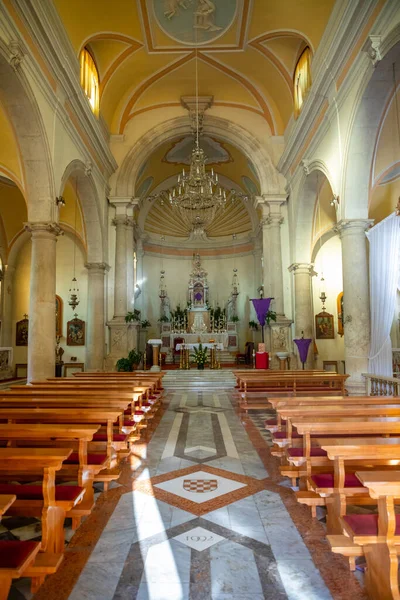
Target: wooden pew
(15, 555)
(42, 462)
(318, 383)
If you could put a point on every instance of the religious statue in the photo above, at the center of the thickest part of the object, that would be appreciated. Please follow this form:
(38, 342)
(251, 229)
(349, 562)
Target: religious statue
(231, 307)
(59, 351)
(138, 291)
(165, 309)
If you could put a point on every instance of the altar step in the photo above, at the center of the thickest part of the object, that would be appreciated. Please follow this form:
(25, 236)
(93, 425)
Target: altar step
(195, 379)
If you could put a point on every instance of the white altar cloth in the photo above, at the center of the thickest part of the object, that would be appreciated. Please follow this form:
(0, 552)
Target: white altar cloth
(205, 345)
(204, 338)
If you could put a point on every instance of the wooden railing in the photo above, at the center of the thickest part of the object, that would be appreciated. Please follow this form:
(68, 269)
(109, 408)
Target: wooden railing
(380, 385)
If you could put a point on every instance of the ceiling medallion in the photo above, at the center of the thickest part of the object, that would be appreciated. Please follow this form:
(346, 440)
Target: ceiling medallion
(194, 22)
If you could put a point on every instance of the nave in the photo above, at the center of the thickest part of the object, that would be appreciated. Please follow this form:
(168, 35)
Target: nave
(199, 512)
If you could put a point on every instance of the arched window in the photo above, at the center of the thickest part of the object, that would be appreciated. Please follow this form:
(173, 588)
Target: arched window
(90, 79)
(302, 80)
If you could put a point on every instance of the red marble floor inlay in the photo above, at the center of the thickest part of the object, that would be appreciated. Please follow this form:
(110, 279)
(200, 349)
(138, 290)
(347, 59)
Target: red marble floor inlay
(148, 486)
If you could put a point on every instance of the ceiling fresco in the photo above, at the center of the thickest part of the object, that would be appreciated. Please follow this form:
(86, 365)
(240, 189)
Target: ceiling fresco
(144, 50)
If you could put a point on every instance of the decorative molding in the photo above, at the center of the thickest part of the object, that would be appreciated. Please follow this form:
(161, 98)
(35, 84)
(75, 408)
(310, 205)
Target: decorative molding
(372, 48)
(17, 53)
(97, 266)
(48, 227)
(302, 269)
(351, 226)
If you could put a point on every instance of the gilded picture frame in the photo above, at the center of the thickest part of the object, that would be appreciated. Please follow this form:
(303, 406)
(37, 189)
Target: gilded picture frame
(76, 332)
(324, 327)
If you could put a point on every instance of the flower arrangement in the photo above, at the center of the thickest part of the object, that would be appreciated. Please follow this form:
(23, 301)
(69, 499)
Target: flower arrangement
(253, 325)
(200, 356)
(132, 316)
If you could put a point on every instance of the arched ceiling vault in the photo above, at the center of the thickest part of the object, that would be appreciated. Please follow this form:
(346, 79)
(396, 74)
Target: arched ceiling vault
(145, 53)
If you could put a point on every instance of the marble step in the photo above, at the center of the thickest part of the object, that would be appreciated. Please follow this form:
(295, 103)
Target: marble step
(194, 378)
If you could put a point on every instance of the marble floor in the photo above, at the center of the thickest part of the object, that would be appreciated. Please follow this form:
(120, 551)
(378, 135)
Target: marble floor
(200, 513)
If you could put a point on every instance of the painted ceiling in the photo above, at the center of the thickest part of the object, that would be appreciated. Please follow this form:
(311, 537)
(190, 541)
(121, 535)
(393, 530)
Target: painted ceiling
(144, 50)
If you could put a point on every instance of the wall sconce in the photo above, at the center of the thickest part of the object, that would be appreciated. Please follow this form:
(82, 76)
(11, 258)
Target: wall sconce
(335, 201)
(60, 201)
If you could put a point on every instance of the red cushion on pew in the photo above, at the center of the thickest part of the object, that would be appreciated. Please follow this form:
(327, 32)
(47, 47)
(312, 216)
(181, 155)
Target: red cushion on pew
(313, 452)
(326, 480)
(35, 492)
(92, 459)
(367, 524)
(117, 437)
(281, 435)
(139, 412)
(13, 553)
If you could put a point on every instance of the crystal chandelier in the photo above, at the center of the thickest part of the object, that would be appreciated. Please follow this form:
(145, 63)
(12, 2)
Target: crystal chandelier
(197, 195)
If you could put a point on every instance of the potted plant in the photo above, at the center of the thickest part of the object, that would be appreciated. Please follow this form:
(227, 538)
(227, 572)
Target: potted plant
(163, 319)
(132, 316)
(145, 324)
(253, 325)
(200, 356)
(135, 356)
(235, 319)
(124, 364)
(270, 316)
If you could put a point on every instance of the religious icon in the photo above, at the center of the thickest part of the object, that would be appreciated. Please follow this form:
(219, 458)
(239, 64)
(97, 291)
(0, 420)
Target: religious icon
(76, 332)
(340, 313)
(324, 329)
(21, 333)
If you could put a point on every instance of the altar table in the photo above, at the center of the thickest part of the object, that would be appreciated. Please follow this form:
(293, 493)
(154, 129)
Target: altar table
(205, 345)
(204, 338)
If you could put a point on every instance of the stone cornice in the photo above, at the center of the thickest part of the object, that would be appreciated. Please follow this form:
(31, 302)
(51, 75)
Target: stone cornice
(46, 30)
(348, 19)
(302, 269)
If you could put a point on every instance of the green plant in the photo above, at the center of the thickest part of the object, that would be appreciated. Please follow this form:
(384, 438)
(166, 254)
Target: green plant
(253, 325)
(135, 356)
(163, 319)
(235, 319)
(124, 364)
(200, 355)
(270, 316)
(132, 316)
(145, 324)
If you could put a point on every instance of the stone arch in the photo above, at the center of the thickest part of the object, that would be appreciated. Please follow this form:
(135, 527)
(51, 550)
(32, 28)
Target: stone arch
(271, 181)
(305, 207)
(21, 107)
(374, 92)
(90, 205)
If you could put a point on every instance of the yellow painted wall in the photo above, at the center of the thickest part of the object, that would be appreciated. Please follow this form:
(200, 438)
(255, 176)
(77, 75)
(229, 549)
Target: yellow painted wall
(9, 152)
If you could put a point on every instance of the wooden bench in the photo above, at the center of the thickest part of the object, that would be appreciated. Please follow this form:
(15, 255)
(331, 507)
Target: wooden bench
(42, 462)
(320, 383)
(15, 555)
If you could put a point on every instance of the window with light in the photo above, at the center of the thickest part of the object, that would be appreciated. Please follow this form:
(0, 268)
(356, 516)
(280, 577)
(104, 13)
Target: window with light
(302, 80)
(90, 80)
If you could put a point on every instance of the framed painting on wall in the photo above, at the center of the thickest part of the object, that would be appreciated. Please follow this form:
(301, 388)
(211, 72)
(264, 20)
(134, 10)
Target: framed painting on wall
(324, 329)
(59, 316)
(76, 332)
(21, 332)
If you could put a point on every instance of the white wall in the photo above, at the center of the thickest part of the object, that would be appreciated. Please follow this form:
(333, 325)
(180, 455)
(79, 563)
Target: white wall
(329, 261)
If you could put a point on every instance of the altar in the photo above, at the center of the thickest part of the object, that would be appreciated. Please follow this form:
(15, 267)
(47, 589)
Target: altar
(204, 338)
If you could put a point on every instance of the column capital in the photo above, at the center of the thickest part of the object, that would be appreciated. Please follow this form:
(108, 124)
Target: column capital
(353, 226)
(302, 269)
(123, 204)
(43, 229)
(130, 222)
(120, 220)
(99, 267)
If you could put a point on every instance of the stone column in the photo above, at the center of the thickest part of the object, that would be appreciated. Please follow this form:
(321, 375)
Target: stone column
(130, 249)
(8, 299)
(275, 221)
(356, 306)
(121, 272)
(266, 254)
(303, 311)
(95, 339)
(258, 276)
(42, 315)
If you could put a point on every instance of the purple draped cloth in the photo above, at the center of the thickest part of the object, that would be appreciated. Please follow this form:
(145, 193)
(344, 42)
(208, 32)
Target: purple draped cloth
(303, 346)
(261, 306)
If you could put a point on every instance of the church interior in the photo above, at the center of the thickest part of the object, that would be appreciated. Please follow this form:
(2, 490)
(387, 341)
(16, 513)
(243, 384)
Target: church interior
(199, 299)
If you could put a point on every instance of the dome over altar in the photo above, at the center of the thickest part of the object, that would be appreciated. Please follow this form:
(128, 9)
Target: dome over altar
(160, 171)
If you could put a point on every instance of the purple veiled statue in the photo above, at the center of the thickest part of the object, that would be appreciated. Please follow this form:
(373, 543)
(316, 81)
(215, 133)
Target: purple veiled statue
(261, 306)
(303, 346)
